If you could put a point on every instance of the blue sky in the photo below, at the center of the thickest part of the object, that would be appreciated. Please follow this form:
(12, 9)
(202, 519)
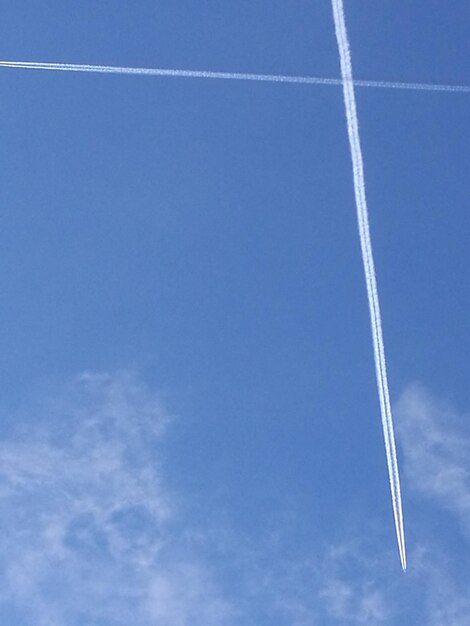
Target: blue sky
(189, 404)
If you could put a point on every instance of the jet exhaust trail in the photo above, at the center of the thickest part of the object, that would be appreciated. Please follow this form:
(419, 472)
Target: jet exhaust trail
(271, 78)
(369, 270)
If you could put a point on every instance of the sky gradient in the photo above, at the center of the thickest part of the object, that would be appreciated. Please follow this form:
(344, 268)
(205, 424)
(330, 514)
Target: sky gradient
(189, 405)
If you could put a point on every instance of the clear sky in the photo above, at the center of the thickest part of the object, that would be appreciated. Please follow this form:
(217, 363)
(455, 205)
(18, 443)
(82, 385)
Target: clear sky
(190, 429)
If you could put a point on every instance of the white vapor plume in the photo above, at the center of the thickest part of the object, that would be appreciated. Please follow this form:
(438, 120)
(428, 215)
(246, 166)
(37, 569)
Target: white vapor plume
(271, 78)
(369, 270)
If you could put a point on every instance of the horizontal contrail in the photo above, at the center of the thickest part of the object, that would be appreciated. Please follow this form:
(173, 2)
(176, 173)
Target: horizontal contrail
(270, 78)
(369, 271)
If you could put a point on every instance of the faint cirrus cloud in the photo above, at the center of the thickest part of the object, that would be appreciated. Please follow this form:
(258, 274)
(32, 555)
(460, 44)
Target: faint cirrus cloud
(435, 439)
(88, 531)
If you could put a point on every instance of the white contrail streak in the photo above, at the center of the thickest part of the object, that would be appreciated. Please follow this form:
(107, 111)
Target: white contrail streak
(271, 78)
(369, 270)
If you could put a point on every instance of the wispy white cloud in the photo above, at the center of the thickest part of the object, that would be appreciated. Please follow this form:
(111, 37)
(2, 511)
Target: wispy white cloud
(90, 535)
(352, 591)
(448, 596)
(436, 443)
(352, 581)
(88, 530)
(435, 439)
(358, 589)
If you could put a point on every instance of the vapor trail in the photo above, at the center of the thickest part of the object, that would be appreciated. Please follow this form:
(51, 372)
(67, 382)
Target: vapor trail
(369, 270)
(271, 78)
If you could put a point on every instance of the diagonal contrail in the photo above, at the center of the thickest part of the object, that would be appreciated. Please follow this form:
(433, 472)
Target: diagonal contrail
(369, 270)
(271, 78)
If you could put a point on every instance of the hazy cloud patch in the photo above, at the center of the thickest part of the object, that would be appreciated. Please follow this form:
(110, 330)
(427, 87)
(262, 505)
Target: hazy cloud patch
(88, 531)
(435, 440)
(90, 535)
